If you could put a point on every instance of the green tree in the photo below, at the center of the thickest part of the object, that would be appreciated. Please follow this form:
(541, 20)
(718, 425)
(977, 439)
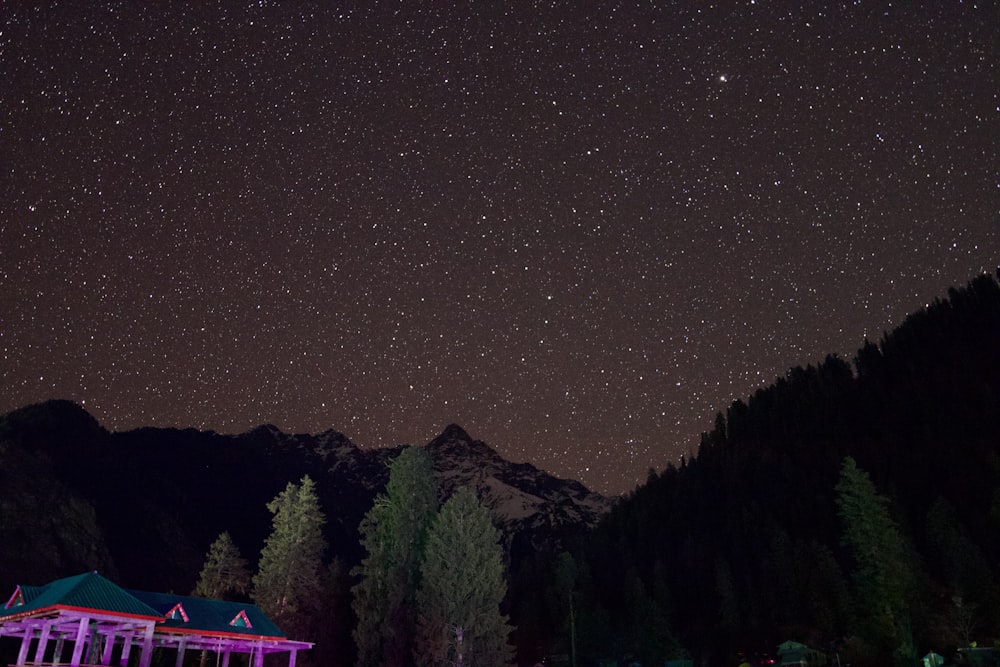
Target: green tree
(225, 571)
(287, 586)
(885, 579)
(463, 585)
(394, 533)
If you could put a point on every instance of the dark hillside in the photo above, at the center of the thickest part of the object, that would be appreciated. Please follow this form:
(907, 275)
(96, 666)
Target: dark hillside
(142, 506)
(48, 521)
(741, 547)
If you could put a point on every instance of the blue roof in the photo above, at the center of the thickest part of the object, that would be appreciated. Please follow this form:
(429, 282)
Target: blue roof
(201, 622)
(88, 591)
(210, 616)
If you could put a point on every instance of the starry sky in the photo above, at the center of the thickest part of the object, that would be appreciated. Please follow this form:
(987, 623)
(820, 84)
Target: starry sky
(577, 229)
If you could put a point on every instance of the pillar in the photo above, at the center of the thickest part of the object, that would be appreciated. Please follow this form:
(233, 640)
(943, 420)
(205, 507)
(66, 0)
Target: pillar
(22, 654)
(80, 642)
(147, 646)
(126, 650)
(109, 646)
(181, 647)
(43, 642)
(57, 656)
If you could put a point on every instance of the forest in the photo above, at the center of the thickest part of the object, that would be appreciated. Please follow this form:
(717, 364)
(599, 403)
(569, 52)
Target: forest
(851, 506)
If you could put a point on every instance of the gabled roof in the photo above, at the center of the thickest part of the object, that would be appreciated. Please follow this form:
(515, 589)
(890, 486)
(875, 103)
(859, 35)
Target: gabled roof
(89, 591)
(23, 594)
(210, 617)
(176, 621)
(177, 612)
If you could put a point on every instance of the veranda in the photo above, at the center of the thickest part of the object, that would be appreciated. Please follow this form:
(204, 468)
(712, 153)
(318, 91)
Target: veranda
(87, 620)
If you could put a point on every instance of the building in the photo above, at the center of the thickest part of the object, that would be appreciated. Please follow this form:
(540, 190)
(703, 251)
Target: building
(793, 653)
(88, 620)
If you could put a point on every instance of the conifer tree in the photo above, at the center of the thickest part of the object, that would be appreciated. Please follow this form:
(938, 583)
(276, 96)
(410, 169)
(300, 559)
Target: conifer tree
(393, 533)
(288, 582)
(885, 578)
(225, 571)
(460, 621)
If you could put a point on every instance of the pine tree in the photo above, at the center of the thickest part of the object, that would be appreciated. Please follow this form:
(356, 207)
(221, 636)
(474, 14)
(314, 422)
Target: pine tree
(225, 571)
(462, 587)
(885, 579)
(393, 533)
(371, 593)
(288, 582)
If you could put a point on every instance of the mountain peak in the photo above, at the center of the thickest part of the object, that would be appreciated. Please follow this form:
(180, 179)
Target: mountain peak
(265, 432)
(454, 441)
(454, 432)
(51, 421)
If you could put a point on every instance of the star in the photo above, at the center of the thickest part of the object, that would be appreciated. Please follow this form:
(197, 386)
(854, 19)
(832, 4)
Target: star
(539, 224)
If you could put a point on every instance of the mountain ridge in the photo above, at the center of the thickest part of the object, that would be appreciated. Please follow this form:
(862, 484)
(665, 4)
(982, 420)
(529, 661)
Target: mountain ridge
(172, 491)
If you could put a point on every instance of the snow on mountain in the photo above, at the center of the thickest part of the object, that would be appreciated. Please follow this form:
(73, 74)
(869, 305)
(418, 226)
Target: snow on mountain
(523, 499)
(530, 506)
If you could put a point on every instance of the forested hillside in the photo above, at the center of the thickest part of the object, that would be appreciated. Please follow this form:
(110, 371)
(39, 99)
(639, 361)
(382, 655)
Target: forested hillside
(743, 546)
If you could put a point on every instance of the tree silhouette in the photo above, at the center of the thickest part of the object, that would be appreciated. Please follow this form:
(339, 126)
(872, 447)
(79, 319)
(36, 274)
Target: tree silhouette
(288, 584)
(885, 579)
(393, 533)
(461, 590)
(225, 571)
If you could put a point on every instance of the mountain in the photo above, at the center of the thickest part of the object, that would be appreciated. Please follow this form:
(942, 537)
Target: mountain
(143, 506)
(531, 507)
(48, 527)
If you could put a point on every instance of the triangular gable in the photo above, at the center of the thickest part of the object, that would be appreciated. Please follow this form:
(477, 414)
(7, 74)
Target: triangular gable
(177, 613)
(16, 600)
(23, 595)
(241, 621)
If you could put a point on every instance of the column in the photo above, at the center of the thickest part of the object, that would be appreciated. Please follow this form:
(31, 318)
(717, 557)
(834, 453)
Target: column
(57, 656)
(109, 646)
(80, 641)
(126, 650)
(43, 642)
(181, 647)
(22, 655)
(147, 646)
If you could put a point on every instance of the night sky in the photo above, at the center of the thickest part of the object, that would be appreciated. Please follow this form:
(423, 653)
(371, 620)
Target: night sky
(578, 230)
